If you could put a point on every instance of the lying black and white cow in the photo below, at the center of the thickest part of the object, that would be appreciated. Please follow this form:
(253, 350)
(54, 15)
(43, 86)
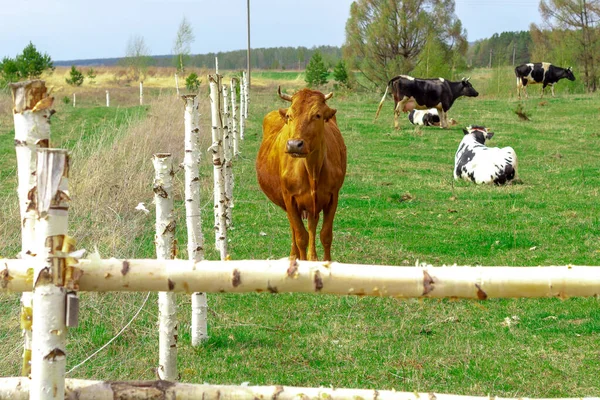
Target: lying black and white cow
(476, 162)
(424, 117)
(426, 93)
(544, 73)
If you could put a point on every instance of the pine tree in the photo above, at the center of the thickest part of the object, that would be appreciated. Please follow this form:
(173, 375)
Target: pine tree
(316, 71)
(340, 74)
(76, 77)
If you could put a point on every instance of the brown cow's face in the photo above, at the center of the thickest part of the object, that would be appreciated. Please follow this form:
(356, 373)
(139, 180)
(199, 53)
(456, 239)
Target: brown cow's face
(306, 120)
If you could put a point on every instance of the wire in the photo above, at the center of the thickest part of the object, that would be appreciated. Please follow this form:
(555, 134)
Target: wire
(111, 340)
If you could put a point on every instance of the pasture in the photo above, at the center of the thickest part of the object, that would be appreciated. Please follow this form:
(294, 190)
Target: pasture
(399, 206)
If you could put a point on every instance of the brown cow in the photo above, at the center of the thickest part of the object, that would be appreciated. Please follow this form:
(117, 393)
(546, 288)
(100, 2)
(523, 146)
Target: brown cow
(301, 165)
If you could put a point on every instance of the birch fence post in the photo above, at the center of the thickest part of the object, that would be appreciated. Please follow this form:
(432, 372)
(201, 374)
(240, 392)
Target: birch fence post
(177, 84)
(246, 94)
(236, 147)
(195, 245)
(242, 103)
(165, 250)
(227, 155)
(141, 93)
(74, 99)
(48, 356)
(217, 65)
(218, 176)
(31, 115)
(107, 99)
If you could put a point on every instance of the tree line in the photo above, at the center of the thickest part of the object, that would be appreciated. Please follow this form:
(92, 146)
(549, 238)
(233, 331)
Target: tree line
(385, 38)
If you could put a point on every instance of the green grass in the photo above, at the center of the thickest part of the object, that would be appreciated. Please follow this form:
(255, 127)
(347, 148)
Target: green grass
(399, 205)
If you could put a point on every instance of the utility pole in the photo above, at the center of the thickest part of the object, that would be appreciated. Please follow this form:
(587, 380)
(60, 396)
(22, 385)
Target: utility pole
(248, 53)
(490, 63)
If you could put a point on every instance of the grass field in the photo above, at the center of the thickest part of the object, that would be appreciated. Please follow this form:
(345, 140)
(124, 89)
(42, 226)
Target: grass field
(399, 206)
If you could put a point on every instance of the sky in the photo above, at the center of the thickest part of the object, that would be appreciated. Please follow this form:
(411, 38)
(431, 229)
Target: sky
(82, 29)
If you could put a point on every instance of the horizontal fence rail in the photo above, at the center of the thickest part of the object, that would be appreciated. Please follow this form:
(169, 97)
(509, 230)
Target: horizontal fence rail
(285, 276)
(18, 389)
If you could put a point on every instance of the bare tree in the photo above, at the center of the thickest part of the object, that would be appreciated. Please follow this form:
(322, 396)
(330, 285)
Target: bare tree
(579, 18)
(137, 57)
(183, 40)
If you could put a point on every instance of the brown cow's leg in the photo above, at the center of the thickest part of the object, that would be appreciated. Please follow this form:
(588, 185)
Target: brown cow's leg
(312, 234)
(327, 229)
(299, 233)
(294, 253)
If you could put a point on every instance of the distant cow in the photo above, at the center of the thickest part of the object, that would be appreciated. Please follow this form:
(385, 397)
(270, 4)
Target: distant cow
(480, 164)
(301, 165)
(544, 73)
(426, 93)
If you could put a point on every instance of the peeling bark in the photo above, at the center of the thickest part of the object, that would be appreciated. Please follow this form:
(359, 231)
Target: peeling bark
(48, 357)
(32, 132)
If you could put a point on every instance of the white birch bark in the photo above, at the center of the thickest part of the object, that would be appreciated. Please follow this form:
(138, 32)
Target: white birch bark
(228, 156)
(195, 246)
(285, 276)
(48, 356)
(216, 65)
(107, 99)
(242, 112)
(141, 93)
(31, 114)
(216, 148)
(246, 94)
(236, 146)
(177, 84)
(17, 389)
(74, 100)
(165, 250)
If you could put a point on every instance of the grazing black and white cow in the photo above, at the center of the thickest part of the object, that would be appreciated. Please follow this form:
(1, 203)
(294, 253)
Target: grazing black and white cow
(424, 117)
(426, 93)
(545, 73)
(476, 162)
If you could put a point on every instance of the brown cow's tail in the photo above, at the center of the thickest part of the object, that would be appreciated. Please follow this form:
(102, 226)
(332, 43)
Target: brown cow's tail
(381, 102)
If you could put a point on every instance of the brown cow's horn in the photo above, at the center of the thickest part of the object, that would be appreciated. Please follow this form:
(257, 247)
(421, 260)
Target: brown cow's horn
(283, 95)
(328, 96)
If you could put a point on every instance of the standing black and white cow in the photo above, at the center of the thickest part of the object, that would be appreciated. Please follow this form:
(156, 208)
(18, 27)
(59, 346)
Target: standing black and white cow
(476, 162)
(545, 73)
(436, 93)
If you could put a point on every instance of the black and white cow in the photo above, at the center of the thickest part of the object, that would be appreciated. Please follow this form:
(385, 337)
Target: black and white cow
(424, 117)
(543, 72)
(476, 162)
(426, 93)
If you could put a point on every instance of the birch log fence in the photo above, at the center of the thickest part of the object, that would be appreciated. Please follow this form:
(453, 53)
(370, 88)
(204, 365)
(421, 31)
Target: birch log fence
(195, 245)
(165, 250)
(31, 113)
(58, 274)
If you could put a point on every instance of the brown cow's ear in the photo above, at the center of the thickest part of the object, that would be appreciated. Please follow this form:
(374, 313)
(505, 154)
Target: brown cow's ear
(328, 114)
(283, 113)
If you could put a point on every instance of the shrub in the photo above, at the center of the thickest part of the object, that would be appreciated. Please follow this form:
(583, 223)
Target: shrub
(76, 78)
